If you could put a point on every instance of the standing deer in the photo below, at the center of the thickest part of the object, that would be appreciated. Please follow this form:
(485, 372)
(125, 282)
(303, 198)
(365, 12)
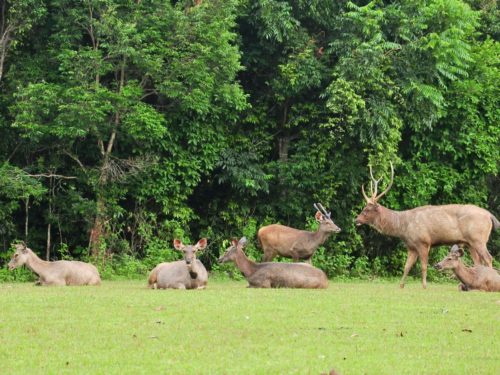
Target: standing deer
(477, 277)
(61, 272)
(424, 227)
(274, 274)
(276, 239)
(188, 273)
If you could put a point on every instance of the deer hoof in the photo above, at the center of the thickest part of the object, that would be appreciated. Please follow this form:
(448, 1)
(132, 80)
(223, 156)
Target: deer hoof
(463, 287)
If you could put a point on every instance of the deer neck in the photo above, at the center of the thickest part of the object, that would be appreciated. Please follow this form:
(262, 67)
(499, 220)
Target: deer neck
(246, 266)
(464, 274)
(36, 264)
(319, 237)
(193, 269)
(390, 222)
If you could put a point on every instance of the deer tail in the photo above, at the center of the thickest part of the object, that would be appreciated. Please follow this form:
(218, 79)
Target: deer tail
(152, 279)
(496, 223)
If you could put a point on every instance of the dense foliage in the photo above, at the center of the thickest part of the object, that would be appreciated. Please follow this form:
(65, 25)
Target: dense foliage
(126, 123)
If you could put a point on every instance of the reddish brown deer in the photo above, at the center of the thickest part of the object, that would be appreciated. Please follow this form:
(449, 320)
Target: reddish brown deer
(276, 239)
(274, 274)
(61, 272)
(188, 273)
(477, 277)
(424, 227)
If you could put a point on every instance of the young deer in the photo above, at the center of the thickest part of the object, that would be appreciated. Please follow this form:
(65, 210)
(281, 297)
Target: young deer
(274, 275)
(424, 227)
(477, 277)
(188, 273)
(276, 239)
(61, 272)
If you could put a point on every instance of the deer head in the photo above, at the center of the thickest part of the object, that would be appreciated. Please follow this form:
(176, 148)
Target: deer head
(189, 251)
(451, 260)
(20, 256)
(370, 212)
(231, 251)
(324, 219)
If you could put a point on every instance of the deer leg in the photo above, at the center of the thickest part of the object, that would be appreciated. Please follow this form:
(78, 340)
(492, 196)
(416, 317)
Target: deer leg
(474, 255)
(410, 261)
(483, 254)
(424, 259)
(54, 283)
(265, 284)
(268, 256)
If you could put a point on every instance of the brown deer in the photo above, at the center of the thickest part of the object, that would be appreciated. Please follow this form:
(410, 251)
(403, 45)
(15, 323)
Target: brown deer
(424, 227)
(276, 239)
(61, 272)
(477, 277)
(188, 273)
(274, 274)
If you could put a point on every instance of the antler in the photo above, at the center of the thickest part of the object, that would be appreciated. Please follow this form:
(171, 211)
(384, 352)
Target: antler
(372, 182)
(374, 187)
(322, 209)
(388, 186)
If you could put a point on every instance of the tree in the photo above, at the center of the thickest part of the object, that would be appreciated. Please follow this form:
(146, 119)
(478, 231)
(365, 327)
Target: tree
(17, 18)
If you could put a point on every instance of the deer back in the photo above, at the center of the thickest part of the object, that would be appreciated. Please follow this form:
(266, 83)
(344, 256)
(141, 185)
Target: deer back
(75, 272)
(288, 275)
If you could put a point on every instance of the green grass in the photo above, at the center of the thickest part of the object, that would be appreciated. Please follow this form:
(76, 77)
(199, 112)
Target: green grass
(354, 327)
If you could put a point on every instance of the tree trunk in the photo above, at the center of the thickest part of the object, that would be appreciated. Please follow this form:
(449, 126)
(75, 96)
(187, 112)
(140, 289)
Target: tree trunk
(26, 219)
(97, 230)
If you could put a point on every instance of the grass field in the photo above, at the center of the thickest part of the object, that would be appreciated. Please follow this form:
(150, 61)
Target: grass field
(354, 327)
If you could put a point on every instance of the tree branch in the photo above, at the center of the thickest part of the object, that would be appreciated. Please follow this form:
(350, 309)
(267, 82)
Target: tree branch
(50, 175)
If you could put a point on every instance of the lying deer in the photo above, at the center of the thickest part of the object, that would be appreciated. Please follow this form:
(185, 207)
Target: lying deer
(423, 227)
(188, 273)
(274, 275)
(61, 272)
(477, 277)
(276, 239)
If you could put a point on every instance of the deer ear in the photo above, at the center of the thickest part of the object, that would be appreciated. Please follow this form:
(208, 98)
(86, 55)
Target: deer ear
(178, 245)
(242, 242)
(318, 216)
(234, 242)
(457, 251)
(24, 248)
(201, 244)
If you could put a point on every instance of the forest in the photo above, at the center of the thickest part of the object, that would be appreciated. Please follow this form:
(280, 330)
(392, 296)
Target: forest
(128, 123)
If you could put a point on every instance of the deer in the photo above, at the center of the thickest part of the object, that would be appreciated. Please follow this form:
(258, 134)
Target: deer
(427, 226)
(274, 274)
(57, 273)
(277, 239)
(188, 273)
(478, 277)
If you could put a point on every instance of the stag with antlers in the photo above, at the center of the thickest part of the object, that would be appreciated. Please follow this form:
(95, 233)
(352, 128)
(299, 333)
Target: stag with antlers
(424, 227)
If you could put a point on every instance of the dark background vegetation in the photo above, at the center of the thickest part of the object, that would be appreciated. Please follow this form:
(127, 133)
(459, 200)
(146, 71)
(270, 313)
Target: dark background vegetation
(128, 123)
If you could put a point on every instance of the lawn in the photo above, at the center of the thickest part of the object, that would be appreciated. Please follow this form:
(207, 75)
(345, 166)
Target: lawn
(356, 327)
